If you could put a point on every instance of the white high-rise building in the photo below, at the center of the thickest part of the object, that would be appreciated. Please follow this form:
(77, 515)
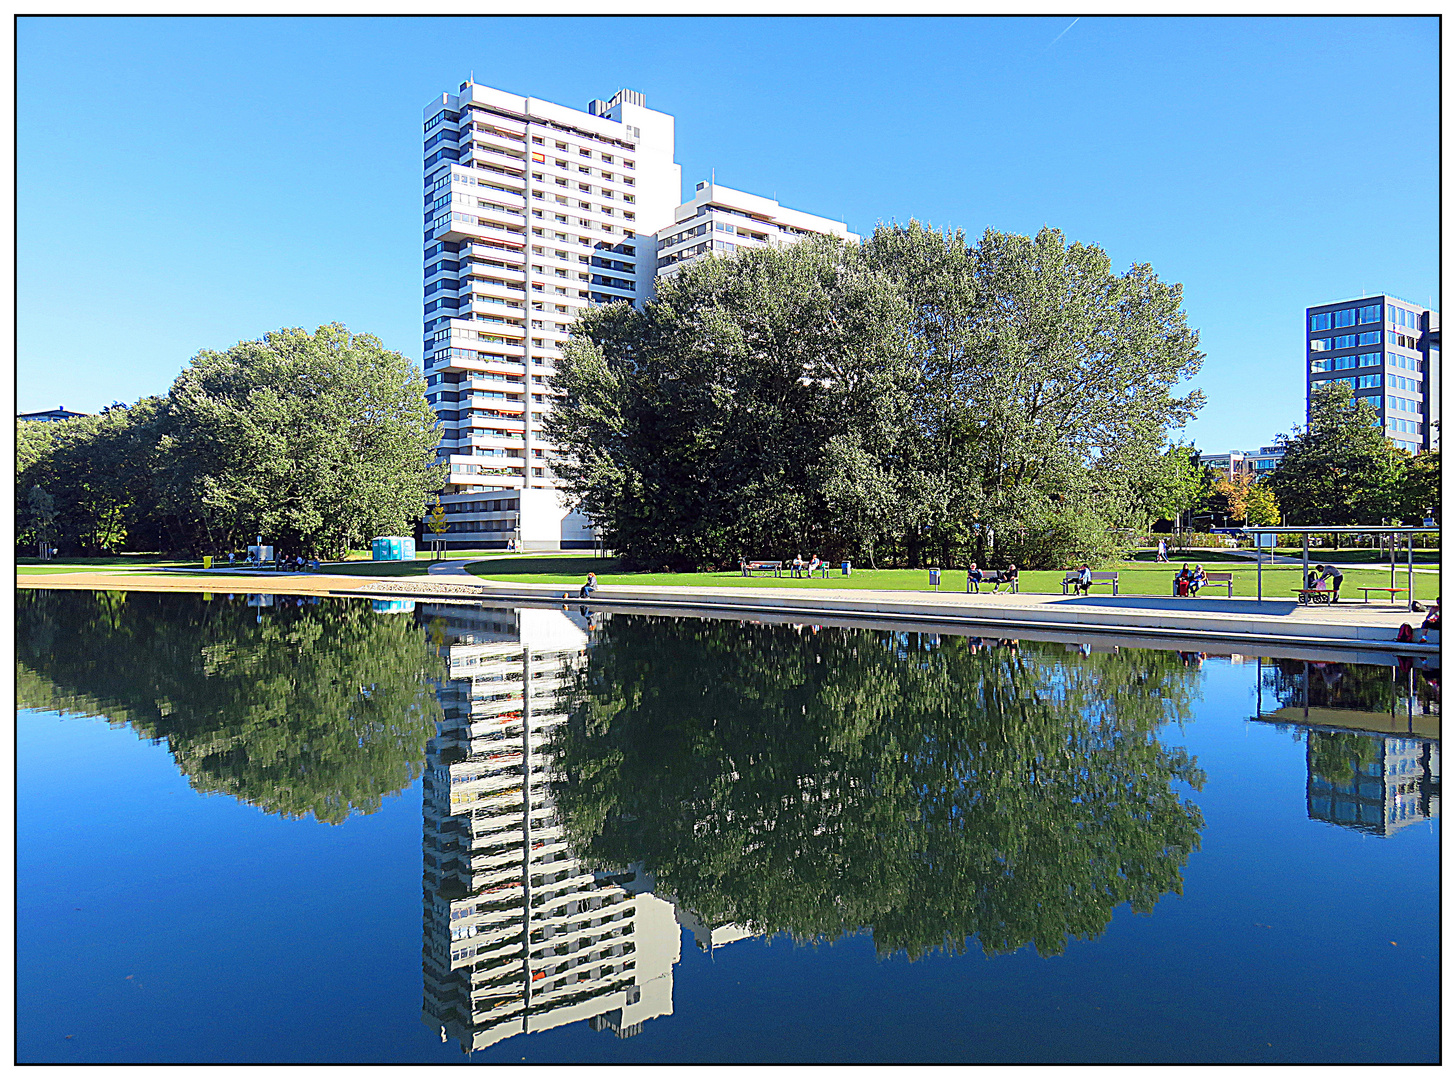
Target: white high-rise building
(727, 221)
(532, 212)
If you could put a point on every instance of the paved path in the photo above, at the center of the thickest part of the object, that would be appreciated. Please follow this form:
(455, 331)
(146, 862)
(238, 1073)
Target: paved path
(1232, 619)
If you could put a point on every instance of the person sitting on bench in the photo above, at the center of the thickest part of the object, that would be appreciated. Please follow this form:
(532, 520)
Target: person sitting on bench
(1197, 580)
(814, 564)
(974, 577)
(1084, 579)
(1181, 580)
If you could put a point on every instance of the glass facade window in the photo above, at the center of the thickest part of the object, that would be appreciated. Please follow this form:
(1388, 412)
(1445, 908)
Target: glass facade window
(1345, 317)
(1345, 341)
(1323, 321)
(1321, 344)
(1369, 359)
(1374, 400)
(1320, 365)
(1343, 362)
(1367, 381)
(1371, 338)
(1370, 313)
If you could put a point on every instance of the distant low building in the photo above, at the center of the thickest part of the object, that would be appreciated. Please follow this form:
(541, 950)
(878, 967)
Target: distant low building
(1245, 462)
(60, 412)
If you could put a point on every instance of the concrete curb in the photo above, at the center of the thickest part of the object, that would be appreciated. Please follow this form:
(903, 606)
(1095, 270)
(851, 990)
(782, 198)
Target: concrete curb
(810, 607)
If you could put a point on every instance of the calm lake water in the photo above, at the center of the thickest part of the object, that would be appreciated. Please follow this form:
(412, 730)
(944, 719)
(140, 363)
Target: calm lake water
(254, 829)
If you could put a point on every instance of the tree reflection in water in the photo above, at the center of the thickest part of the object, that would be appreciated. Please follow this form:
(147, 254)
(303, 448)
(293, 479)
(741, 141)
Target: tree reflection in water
(318, 710)
(930, 788)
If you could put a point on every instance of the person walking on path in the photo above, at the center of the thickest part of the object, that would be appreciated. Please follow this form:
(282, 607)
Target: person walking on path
(1162, 551)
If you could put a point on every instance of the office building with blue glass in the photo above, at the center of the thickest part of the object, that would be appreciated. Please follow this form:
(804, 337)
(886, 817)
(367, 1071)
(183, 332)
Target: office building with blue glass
(1388, 351)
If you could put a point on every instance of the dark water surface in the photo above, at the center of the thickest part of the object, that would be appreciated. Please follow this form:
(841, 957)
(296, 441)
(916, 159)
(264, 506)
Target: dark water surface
(250, 829)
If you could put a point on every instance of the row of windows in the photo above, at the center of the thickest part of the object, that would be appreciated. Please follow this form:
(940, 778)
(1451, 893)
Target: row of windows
(1408, 363)
(1370, 313)
(1401, 404)
(582, 151)
(1400, 382)
(1407, 426)
(1343, 363)
(1344, 341)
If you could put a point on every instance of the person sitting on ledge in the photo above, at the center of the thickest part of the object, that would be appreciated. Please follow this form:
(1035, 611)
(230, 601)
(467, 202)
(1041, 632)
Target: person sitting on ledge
(590, 586)
(1432, 620)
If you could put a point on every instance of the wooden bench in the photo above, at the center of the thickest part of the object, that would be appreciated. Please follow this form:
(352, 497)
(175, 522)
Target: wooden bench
(761, 566)
(995, 579)
(1391, 589)
(1099, 577)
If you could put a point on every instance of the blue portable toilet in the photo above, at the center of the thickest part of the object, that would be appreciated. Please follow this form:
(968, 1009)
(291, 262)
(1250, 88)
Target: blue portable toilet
(385, 607)
(388, 548)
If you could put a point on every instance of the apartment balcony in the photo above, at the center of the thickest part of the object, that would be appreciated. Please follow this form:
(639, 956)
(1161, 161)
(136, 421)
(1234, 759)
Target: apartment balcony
(472, 152)
(491, 258)
(508, 143)
(514, 199)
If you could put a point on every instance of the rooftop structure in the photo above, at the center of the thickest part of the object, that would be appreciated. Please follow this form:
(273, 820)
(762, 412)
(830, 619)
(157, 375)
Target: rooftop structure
(60, 412)
(724, 220)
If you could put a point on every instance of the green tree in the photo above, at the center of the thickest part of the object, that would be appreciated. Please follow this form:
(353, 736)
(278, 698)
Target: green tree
(41, 518)
(930, 788)
(436, 521)
(913, 397)
(318, 441)
(321, 710)
(1340, 469)
(696, 430)
(98, 471)
(1050, 381)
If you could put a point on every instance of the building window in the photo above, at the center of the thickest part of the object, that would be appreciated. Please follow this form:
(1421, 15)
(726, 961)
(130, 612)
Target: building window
(1343, 362)
(1345, 317)
(1371, 338)
(1320, 365)
(1370, 313)
(1345, 341)
(1321, 344)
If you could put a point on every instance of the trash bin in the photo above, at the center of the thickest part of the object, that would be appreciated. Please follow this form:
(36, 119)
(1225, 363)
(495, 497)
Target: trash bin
(844, 568)
(935, 577)
(207, 562)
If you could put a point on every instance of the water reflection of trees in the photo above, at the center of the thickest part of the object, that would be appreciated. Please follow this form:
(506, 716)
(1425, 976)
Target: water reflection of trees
(321, 710)
(932, 790)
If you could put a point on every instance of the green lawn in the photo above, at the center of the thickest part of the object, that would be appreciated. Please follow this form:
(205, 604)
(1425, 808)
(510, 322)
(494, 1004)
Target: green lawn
(102, 562)
(1136, 578)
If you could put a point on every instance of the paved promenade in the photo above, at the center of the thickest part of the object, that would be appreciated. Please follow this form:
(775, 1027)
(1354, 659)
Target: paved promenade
(1347, 624)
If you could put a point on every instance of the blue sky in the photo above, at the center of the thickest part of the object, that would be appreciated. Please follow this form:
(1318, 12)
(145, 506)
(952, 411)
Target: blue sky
(188, 183)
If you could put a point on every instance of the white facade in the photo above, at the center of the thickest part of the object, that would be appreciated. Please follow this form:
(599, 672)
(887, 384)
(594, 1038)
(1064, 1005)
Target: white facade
(727, 221)
(532, 211)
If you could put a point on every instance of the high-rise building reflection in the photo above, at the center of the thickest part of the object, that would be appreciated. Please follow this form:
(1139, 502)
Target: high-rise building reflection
(1372, 749)
(1376, 784)
(520, 936)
